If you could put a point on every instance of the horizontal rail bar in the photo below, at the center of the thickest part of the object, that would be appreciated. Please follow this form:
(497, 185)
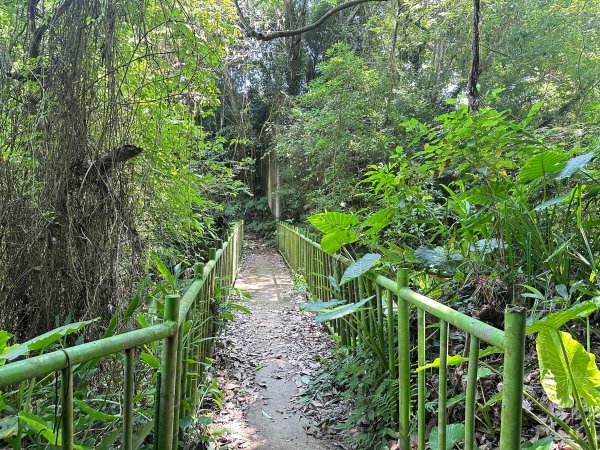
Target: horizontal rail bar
(190, 295)
(477, 328)
(39, 366)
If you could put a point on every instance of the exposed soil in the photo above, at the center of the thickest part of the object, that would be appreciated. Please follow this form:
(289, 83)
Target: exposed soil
(267, 358)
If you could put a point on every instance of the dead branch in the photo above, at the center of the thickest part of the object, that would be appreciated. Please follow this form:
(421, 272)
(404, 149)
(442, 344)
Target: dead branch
(250, 32)
(107, 163)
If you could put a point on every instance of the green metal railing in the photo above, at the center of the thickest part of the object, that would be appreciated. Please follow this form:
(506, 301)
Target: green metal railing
(305, 256)
(183, 357)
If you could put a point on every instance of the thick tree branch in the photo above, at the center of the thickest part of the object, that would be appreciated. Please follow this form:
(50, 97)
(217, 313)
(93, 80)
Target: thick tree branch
(38, 33)
(250, 32)
(106, 163)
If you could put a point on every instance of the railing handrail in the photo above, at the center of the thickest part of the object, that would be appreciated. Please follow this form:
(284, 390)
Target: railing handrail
(306, 256)
(477, 328)
(42, 365)
(190, 294)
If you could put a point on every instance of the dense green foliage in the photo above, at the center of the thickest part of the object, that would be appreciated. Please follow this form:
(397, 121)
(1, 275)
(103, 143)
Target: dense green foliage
(133, 129)
(491, 207)
(103, 152)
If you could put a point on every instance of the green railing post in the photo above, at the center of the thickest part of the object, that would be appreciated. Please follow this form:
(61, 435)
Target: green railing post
(443, 385)
(168, 369)
(178, 381)
(471, 393)
(512, 380)
(391, 347)
(421, 388)
(156, 411)
(128, 375)
(403, 364)
(67, 408)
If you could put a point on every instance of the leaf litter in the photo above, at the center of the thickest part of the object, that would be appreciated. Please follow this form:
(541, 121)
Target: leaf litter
(266, 360)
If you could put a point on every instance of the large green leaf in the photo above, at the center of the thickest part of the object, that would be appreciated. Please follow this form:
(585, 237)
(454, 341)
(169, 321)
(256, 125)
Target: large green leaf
(332, 242)
(357, 268)
(39, 425)
(553, 201)
(44, 340)
(376, 222)
(554, 369)
(575, 164)
(329, 222)
(556, 320)
(321, 306)
(8, 427)
(541, 165)
(342, 311)
(455, 433)
(541, 444)
(431, 257)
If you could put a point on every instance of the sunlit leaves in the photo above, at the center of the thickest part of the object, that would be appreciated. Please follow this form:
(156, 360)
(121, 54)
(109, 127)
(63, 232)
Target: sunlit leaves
(358, 268)
(342, 311)
(542, 165)
(44, 340)
(332, 221)
(332, 242)
(556, 320)
(566, 369)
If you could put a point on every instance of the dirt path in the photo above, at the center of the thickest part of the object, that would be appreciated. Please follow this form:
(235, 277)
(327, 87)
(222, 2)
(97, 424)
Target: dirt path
(267, 358)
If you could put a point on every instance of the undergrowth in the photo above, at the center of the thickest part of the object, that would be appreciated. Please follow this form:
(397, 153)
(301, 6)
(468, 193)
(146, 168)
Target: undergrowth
(361, 384)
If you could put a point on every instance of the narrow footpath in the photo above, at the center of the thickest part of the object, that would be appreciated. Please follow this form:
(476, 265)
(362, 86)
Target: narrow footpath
(266, 359)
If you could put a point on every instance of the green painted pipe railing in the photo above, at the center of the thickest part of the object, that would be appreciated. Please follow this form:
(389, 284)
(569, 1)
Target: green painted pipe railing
(177, 383)
(304, 255)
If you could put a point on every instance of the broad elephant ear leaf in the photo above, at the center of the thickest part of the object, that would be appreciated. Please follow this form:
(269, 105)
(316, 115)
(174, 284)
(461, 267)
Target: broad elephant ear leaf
(559, 356)
(342, 311)
(575, 164)
(329, 222)
(332, 242)
(541, 165)
(357, 268)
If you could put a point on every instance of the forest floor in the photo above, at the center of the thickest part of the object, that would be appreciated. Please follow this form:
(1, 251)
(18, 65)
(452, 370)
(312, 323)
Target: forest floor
(266, 359)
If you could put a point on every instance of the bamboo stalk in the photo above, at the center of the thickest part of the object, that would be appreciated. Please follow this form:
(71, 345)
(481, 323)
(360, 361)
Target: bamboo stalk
(128, 376)
(403, 364)
(443, 386)
(471, 393)
(421, 391)
(512, 399)
(67, 408)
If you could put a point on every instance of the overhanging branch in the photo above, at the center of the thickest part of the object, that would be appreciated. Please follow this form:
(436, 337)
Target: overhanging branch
(250, 32)
(107, 163)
